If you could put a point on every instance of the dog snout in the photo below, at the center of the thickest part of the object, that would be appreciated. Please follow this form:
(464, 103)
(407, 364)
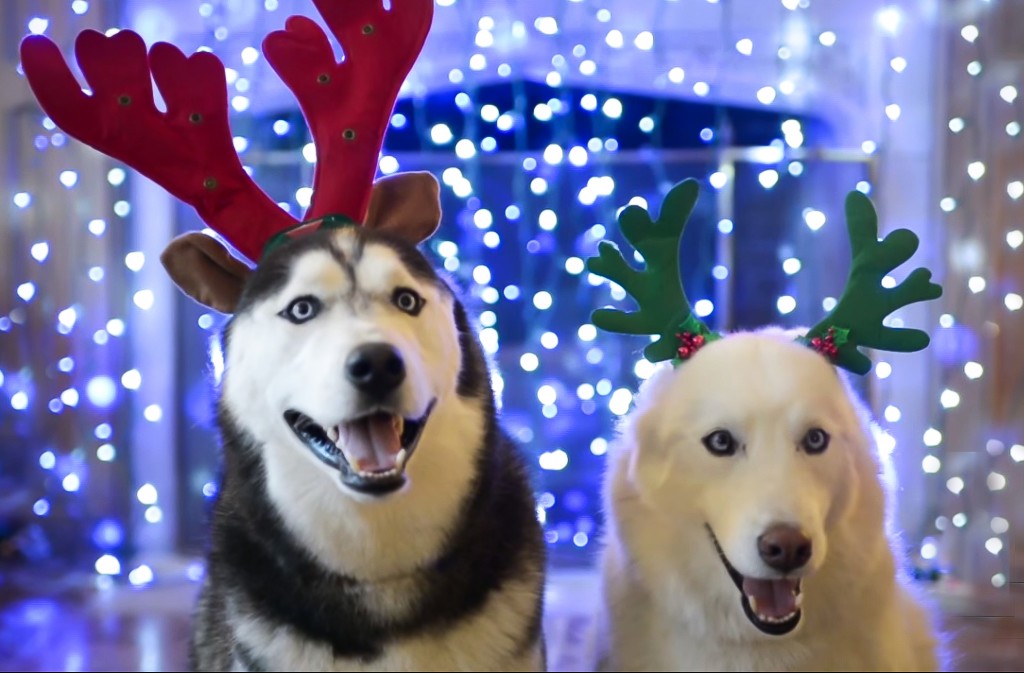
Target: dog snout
(375, 369)
(784, 548)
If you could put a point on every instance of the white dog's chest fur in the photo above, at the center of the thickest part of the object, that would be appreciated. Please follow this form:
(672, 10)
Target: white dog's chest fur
(876, 635)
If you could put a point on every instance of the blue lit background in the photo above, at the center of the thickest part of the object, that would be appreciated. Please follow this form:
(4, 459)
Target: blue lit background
(542, 119)
(533, 178)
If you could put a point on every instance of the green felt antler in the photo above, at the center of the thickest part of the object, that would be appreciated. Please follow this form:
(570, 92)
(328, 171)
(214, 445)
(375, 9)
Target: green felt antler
(663, 309)
(857, 319)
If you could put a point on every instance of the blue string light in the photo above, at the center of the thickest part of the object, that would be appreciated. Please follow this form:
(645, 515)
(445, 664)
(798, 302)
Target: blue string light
(515, 235)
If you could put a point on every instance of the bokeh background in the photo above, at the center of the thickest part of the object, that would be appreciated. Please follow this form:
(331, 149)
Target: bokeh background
(542, 118)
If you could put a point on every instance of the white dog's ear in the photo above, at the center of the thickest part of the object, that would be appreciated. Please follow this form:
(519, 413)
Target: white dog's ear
(650, 458)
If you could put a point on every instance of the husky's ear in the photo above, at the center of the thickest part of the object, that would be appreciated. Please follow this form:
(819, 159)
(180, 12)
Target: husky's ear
(407, 205)
(205, 271)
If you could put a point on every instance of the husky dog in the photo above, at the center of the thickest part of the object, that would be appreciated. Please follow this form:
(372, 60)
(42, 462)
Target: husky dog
(372, 514)
(748, 521)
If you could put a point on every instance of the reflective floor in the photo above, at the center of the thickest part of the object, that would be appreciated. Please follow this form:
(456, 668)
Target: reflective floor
(71, 626)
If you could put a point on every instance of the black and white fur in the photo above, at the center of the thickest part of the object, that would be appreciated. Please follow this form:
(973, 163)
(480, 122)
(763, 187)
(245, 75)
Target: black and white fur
(445, 572)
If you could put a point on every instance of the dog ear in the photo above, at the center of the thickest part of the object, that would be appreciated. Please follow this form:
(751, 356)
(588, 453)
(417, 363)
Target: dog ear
(650, 454)
(204, 270)
(650, 460)
(407, 205)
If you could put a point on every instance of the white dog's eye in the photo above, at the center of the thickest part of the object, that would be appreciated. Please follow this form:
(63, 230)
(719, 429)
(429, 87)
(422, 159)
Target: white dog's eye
(408, 300)
(815, 441)
(720, 443)
(302, 310)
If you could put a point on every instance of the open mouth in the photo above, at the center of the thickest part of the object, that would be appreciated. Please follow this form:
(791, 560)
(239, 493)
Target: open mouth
(773, 606)
(370, 451)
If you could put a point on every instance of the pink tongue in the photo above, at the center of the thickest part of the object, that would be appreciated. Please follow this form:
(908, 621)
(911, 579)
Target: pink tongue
(774, 598)
(372, 444)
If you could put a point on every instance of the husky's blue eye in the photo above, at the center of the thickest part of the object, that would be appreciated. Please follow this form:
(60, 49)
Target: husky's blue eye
(302, 310)
(815, 441)
(720, 443)
(407, 300)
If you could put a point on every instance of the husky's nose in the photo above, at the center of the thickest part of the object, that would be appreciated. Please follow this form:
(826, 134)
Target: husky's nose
(376, 369)
(784, 548)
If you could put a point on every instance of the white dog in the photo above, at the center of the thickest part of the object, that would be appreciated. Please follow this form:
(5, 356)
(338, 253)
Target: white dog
(747, 523)
(747, 519)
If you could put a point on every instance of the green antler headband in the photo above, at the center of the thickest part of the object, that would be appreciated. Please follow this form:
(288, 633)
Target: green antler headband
(664, 311)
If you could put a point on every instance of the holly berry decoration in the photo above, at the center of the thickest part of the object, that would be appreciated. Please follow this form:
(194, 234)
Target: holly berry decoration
(826, 346)
(689, 343)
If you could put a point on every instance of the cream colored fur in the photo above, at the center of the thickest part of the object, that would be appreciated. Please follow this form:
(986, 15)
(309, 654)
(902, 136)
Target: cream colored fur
(669, 602)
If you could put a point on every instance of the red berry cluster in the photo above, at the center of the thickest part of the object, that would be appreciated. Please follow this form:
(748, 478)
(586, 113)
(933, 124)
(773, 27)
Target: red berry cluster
(689, 343)
(826, 346)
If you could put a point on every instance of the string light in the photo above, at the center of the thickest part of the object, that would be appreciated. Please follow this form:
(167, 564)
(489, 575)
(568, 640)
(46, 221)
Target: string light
(986, 309)
(488, 226)
(69, 404)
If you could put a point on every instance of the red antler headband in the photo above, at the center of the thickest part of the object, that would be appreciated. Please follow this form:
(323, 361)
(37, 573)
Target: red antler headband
(188, 150)
(856, 321)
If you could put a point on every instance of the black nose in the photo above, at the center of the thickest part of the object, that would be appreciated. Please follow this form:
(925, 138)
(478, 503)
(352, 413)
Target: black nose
(784, 548)
(375, 369)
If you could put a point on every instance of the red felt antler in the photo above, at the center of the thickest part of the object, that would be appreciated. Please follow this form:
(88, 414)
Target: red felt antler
(188, 150)
(348, 105)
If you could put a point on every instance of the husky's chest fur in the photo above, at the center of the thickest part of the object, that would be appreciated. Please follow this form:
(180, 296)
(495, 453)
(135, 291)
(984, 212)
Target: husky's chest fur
(268, 605)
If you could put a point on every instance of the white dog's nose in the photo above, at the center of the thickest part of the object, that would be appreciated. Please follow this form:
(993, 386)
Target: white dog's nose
(784, 548)
(375, 369)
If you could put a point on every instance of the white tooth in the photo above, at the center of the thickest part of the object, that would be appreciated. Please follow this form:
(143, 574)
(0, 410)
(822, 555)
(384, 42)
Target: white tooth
(400, 459)
(753, 604)
(332, 434)
(399, 425)
(798, 600)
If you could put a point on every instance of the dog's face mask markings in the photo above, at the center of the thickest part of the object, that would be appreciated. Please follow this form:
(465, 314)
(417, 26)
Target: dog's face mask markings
(760, 421)
(356, 333)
